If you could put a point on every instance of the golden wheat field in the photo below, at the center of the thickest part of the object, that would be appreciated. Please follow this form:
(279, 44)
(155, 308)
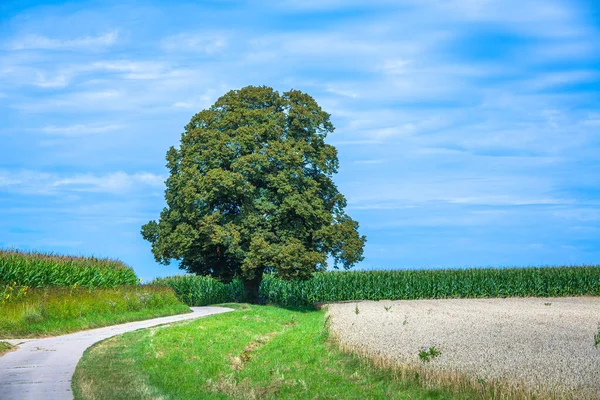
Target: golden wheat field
(513, 347)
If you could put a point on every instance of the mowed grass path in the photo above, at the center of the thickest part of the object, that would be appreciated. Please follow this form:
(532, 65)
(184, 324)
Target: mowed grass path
(255, 352)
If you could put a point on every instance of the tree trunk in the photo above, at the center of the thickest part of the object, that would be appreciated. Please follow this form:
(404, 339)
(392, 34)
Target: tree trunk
(251, 289)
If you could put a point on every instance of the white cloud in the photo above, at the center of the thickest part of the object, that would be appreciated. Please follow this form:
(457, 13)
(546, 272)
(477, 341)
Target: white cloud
(452, 188)
(342, 92)
(554, 79)
(36, 182)
(133, 69)
(78, 130)
(400, 130)
(209, 43)
(45, 82)
(592, 120)
(395, 67)
(313, 5)
(28, 42)
(579, 214)
(183, 104)
(379, 161)
(111, 183)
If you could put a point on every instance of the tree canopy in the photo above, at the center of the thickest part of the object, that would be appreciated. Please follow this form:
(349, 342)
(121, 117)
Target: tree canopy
(251, 191)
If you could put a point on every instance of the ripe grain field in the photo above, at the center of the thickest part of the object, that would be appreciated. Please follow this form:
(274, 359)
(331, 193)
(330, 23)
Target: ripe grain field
(512, 347)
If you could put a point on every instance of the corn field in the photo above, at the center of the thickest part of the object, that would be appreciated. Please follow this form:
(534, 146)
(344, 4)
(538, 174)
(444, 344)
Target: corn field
(398, 285)
(43, 270)
(198, 291)
(435, 284)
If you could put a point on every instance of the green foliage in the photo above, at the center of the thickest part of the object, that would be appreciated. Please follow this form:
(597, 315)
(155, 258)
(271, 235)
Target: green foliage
(597, 337)
(42, 270)
(198, 291)
(251, 190)
(434, 284)
(52, 311)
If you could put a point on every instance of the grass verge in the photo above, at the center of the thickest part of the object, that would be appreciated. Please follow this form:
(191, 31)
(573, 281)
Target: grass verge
(6, 347)
(53, 311)
(255, 352)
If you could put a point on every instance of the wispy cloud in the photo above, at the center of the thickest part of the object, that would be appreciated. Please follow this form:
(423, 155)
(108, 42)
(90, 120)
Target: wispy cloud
(208, 43)
(379, 161)
(43, 183)
(342, 92)
(132, 69)
(556, 79)
(37, 42)
(113, 182)
(451, 189)
(79, 130)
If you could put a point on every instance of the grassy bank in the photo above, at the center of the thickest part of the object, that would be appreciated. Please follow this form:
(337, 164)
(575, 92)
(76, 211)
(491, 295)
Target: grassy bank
(41, 270)
(5, 347)
(27, 312)
(399, 285)
(255, 352)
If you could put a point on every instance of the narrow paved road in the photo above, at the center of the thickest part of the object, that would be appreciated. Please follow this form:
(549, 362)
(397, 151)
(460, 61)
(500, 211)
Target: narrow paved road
(42, 368)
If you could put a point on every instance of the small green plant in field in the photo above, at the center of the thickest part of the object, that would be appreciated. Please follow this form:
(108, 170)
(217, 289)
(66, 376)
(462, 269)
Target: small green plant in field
(428, 354)
(356, 310)
(387, 308)
(405, 322)
(483, 382)
(597, 337)
(547, 304)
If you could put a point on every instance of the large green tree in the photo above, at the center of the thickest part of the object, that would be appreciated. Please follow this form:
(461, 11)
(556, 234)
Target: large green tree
(251, 191)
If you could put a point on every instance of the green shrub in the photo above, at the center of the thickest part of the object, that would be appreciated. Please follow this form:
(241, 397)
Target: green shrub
(42, 270)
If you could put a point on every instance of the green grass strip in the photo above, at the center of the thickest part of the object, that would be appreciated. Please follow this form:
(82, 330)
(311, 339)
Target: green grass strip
(255, 352)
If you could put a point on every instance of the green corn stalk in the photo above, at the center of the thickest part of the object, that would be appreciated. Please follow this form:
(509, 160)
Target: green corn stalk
(49, 270)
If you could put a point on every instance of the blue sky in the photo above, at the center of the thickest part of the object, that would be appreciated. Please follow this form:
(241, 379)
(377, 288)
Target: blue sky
(468, 131)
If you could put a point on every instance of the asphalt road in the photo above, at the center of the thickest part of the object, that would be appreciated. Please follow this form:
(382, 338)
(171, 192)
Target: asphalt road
(43, 368)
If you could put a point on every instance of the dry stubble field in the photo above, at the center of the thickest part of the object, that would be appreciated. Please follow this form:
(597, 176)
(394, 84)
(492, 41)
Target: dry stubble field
(521, 346)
